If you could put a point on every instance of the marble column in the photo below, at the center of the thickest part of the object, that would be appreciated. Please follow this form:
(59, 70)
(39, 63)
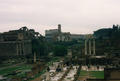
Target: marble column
(89, 47)
(85, 47)
(34, 57)
(94, 47)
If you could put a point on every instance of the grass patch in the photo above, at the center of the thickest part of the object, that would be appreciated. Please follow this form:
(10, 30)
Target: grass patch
(24, 67)
(83, 73)
(9, 70)
(37, 75)
(96, 74)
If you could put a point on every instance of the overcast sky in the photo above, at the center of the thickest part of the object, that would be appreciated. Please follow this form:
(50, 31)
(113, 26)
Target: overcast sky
(75, 16)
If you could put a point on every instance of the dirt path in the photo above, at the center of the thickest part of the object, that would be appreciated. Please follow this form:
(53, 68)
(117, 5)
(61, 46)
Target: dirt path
(12, 66)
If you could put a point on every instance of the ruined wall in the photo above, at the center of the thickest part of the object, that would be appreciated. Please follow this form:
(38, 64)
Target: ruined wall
(7, 49)
(17, 42)
(27, 48)
(13, 48)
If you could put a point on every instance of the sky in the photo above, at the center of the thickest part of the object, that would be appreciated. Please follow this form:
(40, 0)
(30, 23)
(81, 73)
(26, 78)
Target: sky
(75, 16)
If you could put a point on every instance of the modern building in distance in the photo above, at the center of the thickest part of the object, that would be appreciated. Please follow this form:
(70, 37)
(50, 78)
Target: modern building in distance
(17, 42)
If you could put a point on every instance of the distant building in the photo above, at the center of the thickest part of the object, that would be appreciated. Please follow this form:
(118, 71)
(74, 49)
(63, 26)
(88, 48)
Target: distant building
(17, 42)
(106, 33)
(52, 33)
(65, 36)
(57, 35)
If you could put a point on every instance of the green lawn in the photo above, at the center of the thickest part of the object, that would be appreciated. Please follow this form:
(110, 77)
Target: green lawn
(24, 67)
(96, 74)
(9, 70)
(83, 73)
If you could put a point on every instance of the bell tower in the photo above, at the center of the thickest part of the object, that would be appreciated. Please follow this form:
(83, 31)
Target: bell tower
(59, 28)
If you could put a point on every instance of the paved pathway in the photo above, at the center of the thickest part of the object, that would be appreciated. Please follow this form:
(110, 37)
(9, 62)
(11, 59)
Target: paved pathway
(70, 75)
(93, 68)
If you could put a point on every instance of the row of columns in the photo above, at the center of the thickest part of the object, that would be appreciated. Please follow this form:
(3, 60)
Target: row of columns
(89, 48)
(20, 48)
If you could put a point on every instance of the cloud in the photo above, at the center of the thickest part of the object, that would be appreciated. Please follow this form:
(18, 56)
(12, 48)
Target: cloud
(76, 16)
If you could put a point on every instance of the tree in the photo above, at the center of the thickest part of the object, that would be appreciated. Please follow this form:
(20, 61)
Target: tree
(60, 50)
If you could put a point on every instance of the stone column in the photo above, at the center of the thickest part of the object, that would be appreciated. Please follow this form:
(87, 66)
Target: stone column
(20, 48)
(23, 48)
(17, 48)
(94, 47)
(89, 47)
(34, 57)
(47, 76)
(85, 47)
